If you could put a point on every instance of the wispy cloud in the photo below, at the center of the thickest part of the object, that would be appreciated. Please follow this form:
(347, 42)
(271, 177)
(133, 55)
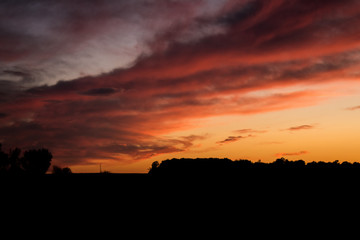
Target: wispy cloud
(291, 154)
(231, 139)
(249, 130)
(150, 148)
(353, 108)
(301, 127)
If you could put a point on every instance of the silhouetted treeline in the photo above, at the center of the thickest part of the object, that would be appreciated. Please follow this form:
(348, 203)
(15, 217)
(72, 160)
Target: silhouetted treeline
(216, 166)
(32, 162)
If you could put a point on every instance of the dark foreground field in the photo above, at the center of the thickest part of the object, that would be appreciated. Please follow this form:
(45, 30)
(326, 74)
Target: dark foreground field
(247, 180)
(280, 197)
(186, 180)
(199, 174)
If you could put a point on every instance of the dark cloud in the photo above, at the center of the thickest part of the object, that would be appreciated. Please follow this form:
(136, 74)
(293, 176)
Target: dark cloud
(140, 151)
(241, 14)
(100, 92)
(17, 77)
(151, 149)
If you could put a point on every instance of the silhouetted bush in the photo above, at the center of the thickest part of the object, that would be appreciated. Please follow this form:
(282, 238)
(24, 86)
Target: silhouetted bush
(154, 167)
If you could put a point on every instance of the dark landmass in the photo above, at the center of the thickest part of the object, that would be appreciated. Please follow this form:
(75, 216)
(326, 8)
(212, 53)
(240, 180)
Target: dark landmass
(36, 162)
(201, 175)
(182, 187)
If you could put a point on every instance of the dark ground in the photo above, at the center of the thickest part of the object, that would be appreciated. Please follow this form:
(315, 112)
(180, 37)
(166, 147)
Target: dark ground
(260, 203)
(266, 180)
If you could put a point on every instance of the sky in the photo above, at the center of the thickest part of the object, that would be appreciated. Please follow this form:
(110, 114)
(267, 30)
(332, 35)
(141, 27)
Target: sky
(124, 83)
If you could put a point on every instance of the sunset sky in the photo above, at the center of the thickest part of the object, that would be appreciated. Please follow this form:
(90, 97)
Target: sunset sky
(123, 83)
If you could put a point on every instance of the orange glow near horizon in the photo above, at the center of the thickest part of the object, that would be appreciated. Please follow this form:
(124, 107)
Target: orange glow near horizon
(333, 135)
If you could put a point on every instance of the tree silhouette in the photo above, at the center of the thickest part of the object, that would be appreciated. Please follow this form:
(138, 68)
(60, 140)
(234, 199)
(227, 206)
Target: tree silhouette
(36, 161)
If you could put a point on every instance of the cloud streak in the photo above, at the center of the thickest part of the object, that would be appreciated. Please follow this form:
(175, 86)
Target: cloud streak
(232, 139)
(249, 130)
(291, 154)
(301, 127)
(353, 108)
